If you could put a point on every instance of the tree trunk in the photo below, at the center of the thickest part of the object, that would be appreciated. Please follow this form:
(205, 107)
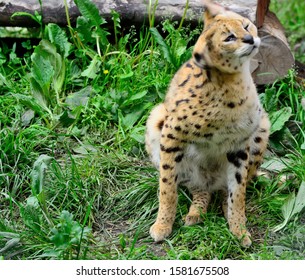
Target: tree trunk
(272, 62)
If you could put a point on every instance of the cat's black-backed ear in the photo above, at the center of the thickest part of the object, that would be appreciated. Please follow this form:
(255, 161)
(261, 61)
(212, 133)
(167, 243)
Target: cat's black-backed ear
(211, 10)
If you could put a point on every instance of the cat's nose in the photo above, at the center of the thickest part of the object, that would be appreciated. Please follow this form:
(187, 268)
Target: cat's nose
(248, 39)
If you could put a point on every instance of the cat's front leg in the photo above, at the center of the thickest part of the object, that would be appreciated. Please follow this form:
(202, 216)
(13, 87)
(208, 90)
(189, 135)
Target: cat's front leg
(171, 153)
(237, 180)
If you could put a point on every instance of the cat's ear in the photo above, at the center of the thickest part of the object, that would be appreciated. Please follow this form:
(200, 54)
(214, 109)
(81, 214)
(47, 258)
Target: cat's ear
(211, 10)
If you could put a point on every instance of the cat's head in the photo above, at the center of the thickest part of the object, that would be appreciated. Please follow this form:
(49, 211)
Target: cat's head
(227, 41)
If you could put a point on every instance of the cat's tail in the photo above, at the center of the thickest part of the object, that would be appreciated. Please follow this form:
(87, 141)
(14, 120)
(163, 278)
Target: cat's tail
(154, 127)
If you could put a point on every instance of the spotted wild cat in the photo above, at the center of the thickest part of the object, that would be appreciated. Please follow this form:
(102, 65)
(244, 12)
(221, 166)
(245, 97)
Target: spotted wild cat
(211, 131)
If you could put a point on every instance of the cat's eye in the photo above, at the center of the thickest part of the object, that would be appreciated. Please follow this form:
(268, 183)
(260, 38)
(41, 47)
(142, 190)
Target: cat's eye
(230, 38)
(246, 27)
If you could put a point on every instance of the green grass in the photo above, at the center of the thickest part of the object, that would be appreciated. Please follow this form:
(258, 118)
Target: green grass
(291, 15)
(75, 181)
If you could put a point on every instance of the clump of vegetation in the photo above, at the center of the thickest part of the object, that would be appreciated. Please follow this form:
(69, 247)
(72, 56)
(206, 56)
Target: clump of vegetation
(74, 179)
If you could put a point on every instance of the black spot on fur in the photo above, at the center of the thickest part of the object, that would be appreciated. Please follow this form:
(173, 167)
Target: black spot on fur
(197, 56)
(178, 158)
(232, 158)
(231, 105)
(166, 166)
(171, 136)
(242, 155)
(160, 124)
(197, 75)
(164, 180)
(198, 126)
(208, 135)
(238, 177)
(257, 139)
(170, 149)
(178, 127)
(189, 65)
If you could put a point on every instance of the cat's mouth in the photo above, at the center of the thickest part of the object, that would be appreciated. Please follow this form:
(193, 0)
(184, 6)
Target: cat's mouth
(250, 50)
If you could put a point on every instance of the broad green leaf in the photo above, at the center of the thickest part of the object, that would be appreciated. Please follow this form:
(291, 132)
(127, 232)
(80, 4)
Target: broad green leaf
(91, 12)
(58, 63)
(84, 29)
(138, 134)
(48, 67)
(79, 98)
(85, 149)
(35, 17)
(134, 97)
(130, 119)
(32, 103)
(38, 173)
(293, 205)
(181, 50)
(126, 76)
(40, 94)
(10, 244)
(42, 73)
(93, 68)
(66, 119)
(58, 37)
(279, 118)
(166, 51)
(7, 234)
(300, 200)
(269, 100)
(26, 117)
(31, 213)
(68, 232)
(275, 164)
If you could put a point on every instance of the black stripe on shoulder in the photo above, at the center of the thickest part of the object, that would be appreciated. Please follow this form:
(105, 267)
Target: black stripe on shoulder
(186, 100)
(185, 81)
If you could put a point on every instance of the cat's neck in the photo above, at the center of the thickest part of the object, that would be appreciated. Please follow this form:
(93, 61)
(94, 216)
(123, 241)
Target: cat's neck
(243, 76)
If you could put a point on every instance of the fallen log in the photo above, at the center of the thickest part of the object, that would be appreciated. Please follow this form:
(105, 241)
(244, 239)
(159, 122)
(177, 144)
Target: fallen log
(272, 62)
(274, 57)
(134, 11)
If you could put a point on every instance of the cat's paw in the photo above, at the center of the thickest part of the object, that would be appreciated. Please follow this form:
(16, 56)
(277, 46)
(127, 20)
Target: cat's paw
(245, 240)
(192, 219)
(244, 236)
(159, 232)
